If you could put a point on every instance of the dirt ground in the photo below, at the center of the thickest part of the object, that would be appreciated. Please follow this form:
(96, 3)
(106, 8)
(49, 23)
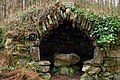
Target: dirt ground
(63, 77)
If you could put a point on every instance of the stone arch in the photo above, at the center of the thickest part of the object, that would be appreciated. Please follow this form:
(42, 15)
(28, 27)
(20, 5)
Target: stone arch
(57, 16)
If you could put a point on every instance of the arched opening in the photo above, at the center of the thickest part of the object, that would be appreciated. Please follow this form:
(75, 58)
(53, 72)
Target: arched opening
(66, 39)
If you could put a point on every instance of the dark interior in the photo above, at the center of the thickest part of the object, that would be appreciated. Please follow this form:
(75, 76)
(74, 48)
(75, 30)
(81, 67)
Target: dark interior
(66, 39)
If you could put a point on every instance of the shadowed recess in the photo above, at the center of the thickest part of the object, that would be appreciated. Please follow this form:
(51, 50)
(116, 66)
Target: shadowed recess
(66, 39)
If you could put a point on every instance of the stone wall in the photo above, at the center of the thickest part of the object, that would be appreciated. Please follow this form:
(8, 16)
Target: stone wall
(108, 69)
(112, 61)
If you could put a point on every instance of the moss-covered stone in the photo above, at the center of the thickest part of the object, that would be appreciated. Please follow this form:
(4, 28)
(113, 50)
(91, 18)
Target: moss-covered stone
(45, 76)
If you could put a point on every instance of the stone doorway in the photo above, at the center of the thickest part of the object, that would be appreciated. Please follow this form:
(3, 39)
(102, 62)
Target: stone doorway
(66, 39)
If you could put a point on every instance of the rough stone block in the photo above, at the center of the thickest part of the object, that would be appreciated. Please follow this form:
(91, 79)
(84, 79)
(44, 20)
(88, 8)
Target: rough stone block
(85, 76)
(118, 61)
(45, 76)
(44, 68)
(98, 56)
(102, 78)
(106, 74)
(44, 63)
(35, 52)
(114, 53)
(86, 68)
(113, 69)
(116, 76)
(91, 70)
(112, 64)
(64, 71)
(94, 70)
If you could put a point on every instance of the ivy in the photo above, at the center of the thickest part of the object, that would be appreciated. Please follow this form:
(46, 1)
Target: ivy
(104, 28)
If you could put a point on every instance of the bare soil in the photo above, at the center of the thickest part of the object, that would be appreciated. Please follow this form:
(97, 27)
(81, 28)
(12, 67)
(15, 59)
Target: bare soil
(64, 77)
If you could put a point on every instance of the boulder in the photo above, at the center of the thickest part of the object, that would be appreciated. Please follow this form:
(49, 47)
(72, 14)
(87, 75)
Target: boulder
(66, 59)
